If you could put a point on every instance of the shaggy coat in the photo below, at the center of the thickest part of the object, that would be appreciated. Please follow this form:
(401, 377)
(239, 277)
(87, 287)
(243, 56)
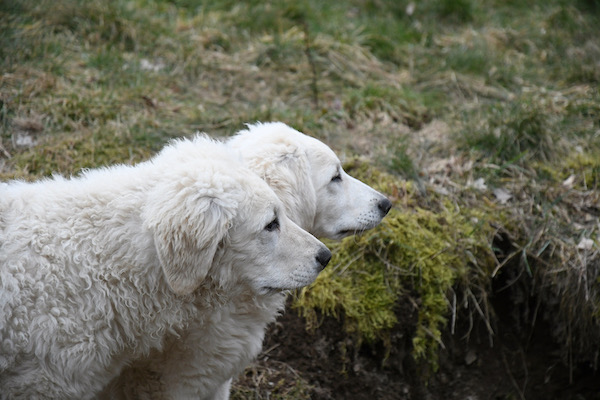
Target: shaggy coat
(309, 179)
(317, 194)
(102, 270)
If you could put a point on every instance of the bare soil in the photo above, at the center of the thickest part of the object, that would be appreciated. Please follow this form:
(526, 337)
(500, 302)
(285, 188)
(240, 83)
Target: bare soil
(508, 365)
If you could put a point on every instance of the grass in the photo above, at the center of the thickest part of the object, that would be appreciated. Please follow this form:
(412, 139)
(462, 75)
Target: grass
(436, 95)
(518, 131)
(418, 253)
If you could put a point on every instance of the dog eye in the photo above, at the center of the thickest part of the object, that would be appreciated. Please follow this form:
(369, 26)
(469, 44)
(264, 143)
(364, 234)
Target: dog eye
(337, 178)
(273, 225)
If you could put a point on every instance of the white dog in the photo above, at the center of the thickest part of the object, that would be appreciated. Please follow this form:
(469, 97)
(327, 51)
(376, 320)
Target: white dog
(107, 268)
(308, 177)
(316, 193)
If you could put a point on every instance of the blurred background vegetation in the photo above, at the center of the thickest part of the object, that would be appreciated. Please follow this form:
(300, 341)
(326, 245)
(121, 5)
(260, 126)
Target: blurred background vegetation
(480, 119)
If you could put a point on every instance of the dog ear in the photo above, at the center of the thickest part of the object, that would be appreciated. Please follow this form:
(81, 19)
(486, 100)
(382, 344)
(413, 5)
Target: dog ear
(188, 224)
(288, 173)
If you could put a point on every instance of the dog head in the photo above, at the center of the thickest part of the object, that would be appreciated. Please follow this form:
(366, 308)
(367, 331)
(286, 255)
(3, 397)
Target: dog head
(309, 179)
(210, 215)
(275, 253)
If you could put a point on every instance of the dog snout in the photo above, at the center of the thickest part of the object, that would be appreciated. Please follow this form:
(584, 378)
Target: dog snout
(384, 206)
(323, 257)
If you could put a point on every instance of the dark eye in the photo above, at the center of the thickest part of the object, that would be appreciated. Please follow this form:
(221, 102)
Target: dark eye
(273, 225)
(337, 178)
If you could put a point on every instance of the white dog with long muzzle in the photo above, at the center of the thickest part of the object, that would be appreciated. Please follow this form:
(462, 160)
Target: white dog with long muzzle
(103, 270)
(316, 193)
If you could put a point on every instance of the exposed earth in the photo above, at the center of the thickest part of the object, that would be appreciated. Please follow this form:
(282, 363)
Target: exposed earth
(505, 366)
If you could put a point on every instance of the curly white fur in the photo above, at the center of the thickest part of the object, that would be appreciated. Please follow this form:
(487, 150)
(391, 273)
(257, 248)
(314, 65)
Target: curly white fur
(316, 193)
(109, 268)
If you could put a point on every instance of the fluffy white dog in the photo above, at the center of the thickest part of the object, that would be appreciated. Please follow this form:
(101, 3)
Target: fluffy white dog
(105, 269)
(308, 178)
(316, 193)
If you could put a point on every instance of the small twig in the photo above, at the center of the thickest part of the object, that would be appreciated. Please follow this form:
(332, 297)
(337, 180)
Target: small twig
(570, 352)
(4, 151)
(270, 349)
(431, 334)
(481, 313)
(504, 262)
(512, 378)
(453, 320)
(347, 265)
(313, 66)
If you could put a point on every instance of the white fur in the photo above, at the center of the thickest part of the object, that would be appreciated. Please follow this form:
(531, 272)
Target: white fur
(300, 170)
(116, 265)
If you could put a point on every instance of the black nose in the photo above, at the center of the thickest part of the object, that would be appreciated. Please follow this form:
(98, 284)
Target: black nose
(384, 206)
(324, 256)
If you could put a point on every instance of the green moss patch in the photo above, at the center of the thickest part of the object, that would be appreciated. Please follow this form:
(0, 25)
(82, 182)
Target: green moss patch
(418, 254)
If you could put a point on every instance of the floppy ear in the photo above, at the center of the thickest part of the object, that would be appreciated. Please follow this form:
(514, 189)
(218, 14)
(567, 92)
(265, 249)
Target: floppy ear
(288, 173)
(188, 223)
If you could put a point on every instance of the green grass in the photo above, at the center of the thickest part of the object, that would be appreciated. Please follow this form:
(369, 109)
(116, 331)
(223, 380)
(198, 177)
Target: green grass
(451, 92)
(517, 132)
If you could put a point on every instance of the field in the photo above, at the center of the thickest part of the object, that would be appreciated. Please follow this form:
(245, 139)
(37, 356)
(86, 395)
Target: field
(479, 119)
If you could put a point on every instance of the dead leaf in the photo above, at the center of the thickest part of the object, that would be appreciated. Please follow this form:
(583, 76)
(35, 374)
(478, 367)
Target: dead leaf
(585, 244)
(479, 184)
(568, 183)
(502, 195)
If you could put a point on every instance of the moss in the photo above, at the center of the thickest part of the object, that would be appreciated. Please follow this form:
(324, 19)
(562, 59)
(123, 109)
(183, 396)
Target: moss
(67, 154)
(583, 168)
(416, 252)
(586, 167)
(361, 294)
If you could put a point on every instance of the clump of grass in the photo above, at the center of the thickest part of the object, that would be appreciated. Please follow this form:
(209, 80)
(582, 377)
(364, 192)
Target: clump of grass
(520, 130)
(416, 252)
(401, 162)
(401, 105)
(556, 258)
(455, 10)
(475, 59)
(69, 153)
(586, 167)
(105, 24)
